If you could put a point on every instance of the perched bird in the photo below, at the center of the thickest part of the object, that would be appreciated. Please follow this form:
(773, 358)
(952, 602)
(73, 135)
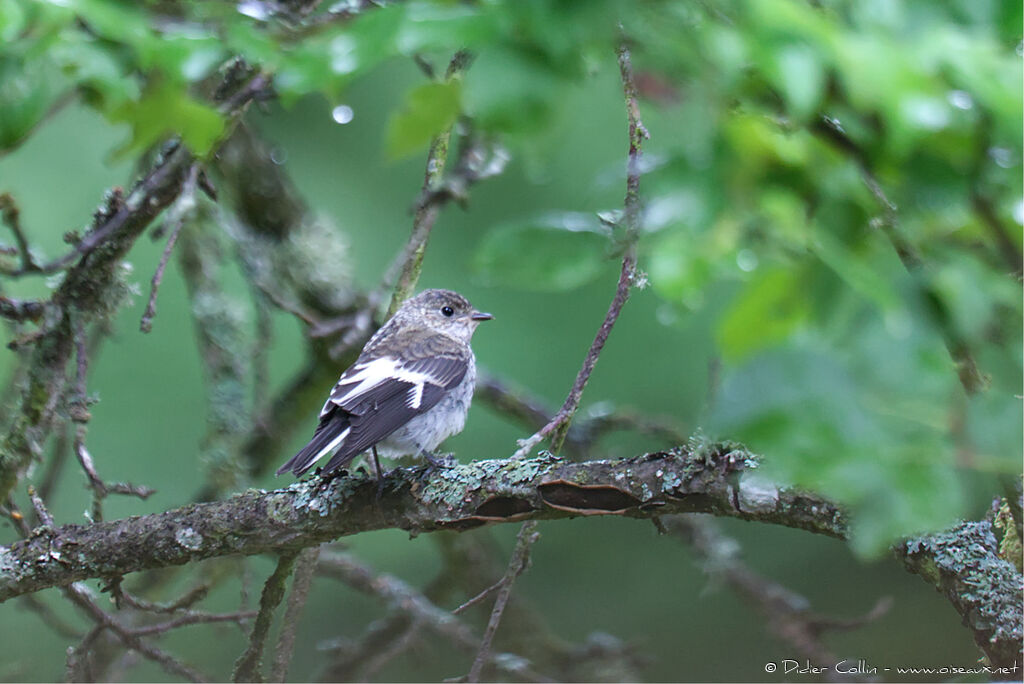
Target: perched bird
(408, 391)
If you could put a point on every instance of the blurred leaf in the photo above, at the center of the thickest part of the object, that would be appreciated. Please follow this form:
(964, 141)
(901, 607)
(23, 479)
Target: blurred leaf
(166, 109)
(432, 26)
(428, 111)
(121, 22)
(510, 92)
(97, 69)
(820, 429)
(767, 311)
(12, 20)
(28, 88)
(855, 270)
(799, 74)
(557, 252)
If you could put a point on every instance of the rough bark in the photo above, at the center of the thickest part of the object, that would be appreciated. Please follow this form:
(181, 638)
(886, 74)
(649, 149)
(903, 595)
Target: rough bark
(963, 564)
(713, 478)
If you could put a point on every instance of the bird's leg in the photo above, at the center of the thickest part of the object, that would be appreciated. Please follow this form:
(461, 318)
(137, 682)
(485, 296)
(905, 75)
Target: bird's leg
(378, 472)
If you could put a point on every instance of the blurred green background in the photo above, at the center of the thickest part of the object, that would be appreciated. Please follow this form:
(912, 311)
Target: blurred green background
(760, 259)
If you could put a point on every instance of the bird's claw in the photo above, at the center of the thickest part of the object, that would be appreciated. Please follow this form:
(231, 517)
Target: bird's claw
(435, 463)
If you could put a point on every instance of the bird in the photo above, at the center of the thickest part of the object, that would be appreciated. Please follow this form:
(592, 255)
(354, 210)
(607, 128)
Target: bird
(408, 391)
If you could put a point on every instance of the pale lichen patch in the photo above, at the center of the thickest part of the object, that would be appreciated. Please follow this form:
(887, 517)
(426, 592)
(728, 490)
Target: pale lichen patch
(189, 538)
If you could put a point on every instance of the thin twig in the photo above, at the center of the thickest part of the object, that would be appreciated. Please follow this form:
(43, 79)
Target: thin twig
(532, 412)
(787, 613)
(248, 665)
(479, 597)
(11, 217)
(194, 618)
(418, 607)
(970, 376)
(517, 564)
(391, 650)
(426, 212)
(178, 215)
(78, 409)
(79, 595)
(40, 508)
(305, 567)
(186, 601)
(558, 427)
(38, 606)
(21, 309)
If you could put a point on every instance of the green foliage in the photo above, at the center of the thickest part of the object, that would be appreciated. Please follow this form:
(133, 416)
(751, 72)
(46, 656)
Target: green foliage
(430, 110)
(836, 366)
(555, 252)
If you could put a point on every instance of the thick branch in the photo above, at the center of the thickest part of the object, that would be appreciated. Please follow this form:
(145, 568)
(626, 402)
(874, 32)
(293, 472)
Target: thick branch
(964, 565)
(707, 478)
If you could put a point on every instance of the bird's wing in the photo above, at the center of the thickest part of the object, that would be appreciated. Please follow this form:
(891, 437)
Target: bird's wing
(373, 398)
(383, 394)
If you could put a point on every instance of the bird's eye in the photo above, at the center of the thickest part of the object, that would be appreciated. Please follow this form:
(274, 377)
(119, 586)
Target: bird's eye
(447, 311)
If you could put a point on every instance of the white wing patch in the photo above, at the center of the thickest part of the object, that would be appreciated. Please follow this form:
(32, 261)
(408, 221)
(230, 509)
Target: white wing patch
(330, 447)
(367, 376)
(415, 396)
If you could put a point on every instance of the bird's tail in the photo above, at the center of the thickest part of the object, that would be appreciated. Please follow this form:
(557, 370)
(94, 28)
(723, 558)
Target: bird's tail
(329, 435)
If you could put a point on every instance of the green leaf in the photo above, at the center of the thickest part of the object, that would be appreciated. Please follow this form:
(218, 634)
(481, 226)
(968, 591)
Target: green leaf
(856, 271)
(166, 109)
(428, 111)
(799, 74)
(558, 252)
(28, 88)
(510, 92)
(12, 20)
(768, 310)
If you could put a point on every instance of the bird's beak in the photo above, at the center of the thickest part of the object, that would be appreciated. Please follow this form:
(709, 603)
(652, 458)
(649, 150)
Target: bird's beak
(480, 316)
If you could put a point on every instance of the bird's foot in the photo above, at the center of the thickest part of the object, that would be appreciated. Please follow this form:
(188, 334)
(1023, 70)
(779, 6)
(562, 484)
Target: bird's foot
(436, 462)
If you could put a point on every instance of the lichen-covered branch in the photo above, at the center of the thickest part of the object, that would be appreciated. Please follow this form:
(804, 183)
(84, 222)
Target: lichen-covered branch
(87, 290)
(964, 565)
(706, 478)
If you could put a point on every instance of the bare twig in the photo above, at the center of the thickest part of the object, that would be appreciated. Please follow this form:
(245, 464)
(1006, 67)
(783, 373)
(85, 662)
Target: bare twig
(79, 595)
(194, 618)
(248, 665)
(533, 412)
(305, 566)
(405, 598)
(394, 648)
(517, 564)
(984, 207)
(178, 215)
(40, 508)
(970, 376)
(187, 600)
(788, 614)
(10, 215)
(38, 606)
(558, 427)
(78, 409)
(479, 597)
(21, 309)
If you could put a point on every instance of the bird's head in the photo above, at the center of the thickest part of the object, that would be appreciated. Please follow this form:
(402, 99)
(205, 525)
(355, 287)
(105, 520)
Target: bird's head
(444, 311)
